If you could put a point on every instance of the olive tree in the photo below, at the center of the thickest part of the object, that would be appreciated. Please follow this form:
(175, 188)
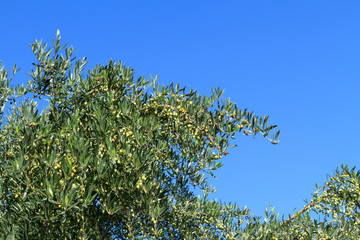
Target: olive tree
(115, 156)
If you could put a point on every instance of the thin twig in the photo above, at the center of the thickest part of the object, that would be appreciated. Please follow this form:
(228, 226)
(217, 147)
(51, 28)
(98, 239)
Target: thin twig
(310, 205)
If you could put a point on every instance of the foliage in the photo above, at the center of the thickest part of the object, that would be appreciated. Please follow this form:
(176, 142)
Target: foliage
(117, 157)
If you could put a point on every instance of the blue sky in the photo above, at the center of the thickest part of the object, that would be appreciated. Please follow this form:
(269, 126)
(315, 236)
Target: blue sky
(297, 61)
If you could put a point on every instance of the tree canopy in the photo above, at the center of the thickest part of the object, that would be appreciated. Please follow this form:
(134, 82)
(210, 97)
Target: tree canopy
(115, 156)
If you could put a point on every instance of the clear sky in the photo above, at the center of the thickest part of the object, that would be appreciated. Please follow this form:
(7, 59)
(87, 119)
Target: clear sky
(297, 61)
